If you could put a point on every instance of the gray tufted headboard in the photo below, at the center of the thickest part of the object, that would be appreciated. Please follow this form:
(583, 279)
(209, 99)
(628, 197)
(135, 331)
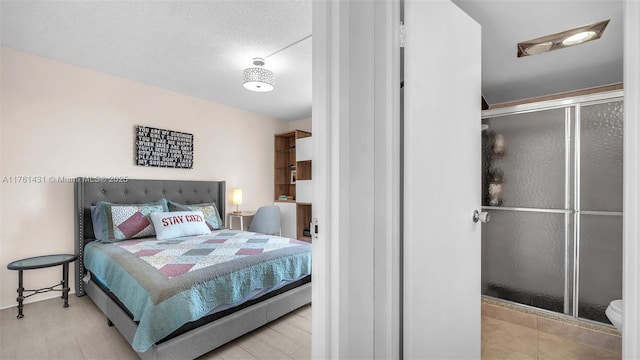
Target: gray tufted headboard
(89, 191)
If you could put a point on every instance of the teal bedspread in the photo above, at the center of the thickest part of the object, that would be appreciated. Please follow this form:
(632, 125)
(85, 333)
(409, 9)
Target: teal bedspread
(166, 284)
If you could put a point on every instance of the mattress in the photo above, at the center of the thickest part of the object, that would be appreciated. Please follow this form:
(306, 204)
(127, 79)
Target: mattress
(166, 284)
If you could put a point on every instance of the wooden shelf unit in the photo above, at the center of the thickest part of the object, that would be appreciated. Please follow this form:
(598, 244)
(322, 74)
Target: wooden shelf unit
(285, 163)
(296, 215)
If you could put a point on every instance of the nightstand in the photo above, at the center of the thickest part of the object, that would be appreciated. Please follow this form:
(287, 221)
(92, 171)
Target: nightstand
(239, 215)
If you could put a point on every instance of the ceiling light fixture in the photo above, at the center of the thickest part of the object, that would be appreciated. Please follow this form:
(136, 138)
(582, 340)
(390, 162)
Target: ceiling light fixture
(260, 79)
(257, 78)
(563, 39)
(578, 38)
(539, 48)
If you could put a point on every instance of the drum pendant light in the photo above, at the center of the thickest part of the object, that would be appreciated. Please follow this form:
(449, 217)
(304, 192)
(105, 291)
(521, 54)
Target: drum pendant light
(257, 78)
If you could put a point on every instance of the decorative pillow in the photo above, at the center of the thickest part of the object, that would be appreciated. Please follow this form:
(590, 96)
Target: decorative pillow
(210, 211)
(96, 219)
(175, 224)
(128, 221)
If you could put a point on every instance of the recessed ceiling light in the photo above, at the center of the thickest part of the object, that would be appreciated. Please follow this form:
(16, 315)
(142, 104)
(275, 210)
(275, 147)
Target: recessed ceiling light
(563, 39)
(578, 38)
(539, 48)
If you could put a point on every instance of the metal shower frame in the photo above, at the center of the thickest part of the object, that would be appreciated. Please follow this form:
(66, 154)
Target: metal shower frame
(572, 177)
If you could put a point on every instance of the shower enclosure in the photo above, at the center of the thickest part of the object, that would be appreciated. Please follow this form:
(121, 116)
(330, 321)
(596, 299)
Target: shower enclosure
(552, 183)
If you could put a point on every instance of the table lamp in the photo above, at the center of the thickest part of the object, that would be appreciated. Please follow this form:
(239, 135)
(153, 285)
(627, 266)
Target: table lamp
(236, 198)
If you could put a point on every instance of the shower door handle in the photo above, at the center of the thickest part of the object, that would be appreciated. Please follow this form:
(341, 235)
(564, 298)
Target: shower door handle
(483, 216)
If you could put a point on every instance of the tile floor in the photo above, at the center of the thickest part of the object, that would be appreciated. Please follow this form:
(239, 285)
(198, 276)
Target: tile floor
(510, 333)
(50, 332)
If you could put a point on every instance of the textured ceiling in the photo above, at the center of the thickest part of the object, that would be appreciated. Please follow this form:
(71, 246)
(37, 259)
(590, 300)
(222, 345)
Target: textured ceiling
(201, 47)
(505, 77)
(194, 47)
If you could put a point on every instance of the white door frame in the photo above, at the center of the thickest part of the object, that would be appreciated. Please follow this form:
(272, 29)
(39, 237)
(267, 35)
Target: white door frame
(631, 211)
(356, 264)
(387, 162)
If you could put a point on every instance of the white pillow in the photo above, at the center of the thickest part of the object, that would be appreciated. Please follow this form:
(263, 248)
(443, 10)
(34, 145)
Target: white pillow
(175, 224)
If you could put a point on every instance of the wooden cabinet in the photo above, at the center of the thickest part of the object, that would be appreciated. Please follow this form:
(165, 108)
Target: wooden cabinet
(292, 182)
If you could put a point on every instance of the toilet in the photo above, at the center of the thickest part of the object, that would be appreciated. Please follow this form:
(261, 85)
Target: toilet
(614, 313)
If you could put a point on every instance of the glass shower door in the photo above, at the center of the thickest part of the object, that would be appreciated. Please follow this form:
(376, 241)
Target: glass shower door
(527, 246)
(552, 182)
(600, 209)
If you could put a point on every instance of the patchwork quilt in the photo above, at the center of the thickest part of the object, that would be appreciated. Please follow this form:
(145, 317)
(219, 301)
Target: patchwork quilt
(167, 283)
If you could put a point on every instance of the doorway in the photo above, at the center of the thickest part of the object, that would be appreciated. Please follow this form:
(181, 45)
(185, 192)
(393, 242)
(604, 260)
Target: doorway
(329, 28)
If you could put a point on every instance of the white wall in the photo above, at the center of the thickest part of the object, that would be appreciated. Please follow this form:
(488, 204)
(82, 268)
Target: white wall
(62, 120)
(302, 124)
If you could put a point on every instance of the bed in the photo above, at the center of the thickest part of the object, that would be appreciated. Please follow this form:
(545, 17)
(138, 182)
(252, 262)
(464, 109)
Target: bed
(214, 318)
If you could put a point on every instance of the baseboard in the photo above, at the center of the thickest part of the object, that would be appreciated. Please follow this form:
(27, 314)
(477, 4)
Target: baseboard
(31, 301)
